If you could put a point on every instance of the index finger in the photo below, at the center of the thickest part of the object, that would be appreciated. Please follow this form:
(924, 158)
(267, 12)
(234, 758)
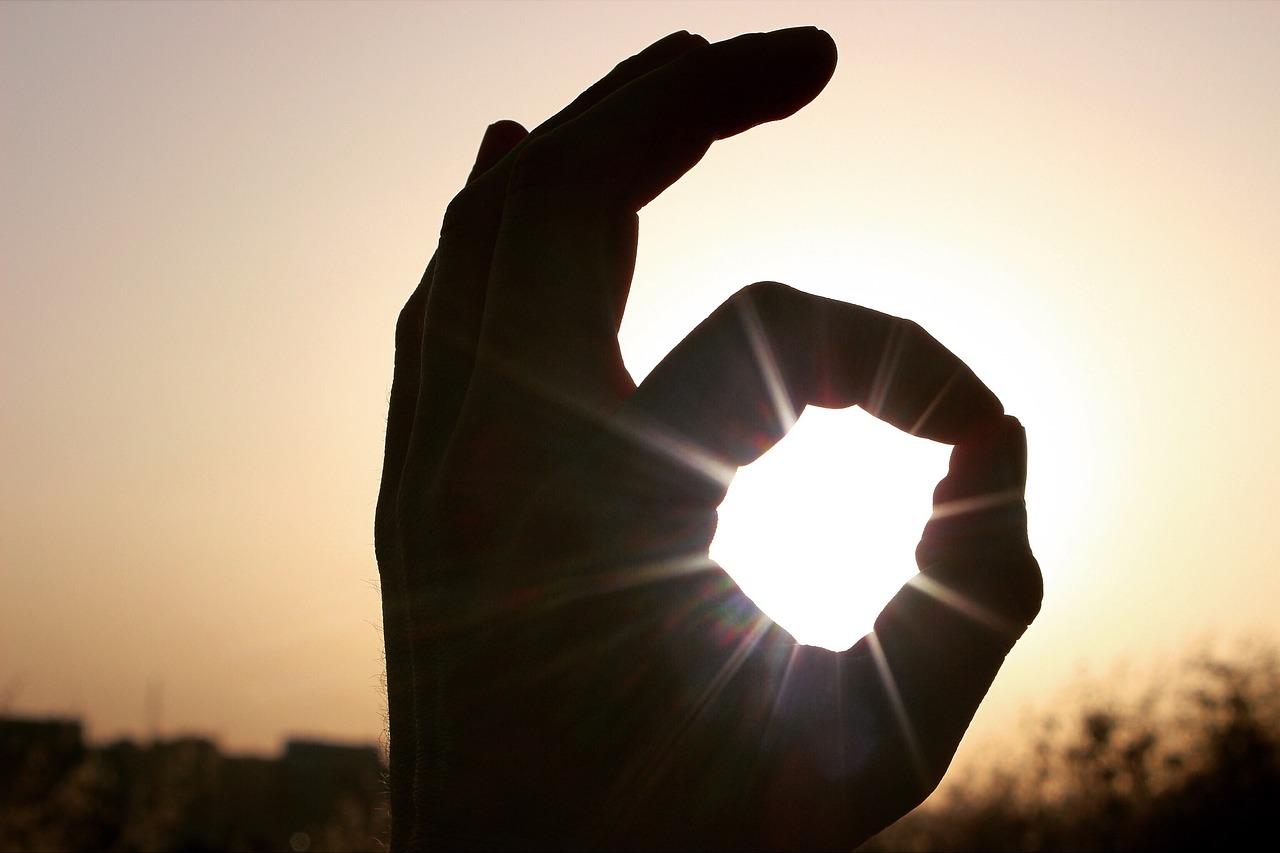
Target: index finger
(631, 146)
(563, 263)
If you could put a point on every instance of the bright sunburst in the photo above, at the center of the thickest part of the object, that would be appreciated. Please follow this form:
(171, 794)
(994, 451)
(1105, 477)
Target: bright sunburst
(821, 531)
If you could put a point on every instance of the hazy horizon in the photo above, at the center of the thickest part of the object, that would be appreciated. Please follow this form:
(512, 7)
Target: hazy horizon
(211, 214)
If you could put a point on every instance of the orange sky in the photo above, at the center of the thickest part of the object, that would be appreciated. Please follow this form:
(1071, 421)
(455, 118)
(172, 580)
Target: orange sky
(211, 214)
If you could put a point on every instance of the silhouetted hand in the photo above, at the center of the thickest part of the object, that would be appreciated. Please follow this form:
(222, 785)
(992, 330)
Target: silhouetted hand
(565, 665)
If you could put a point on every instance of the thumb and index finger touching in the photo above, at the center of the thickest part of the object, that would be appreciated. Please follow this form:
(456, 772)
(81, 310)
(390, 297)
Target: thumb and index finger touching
(552, 276)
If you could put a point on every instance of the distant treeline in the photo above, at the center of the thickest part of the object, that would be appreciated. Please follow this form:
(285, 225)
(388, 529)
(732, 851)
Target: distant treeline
(1190, 762)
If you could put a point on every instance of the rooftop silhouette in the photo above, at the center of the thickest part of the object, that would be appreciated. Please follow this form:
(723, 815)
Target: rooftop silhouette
(183, 793)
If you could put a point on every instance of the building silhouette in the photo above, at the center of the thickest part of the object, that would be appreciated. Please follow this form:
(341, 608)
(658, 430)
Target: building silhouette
(183, 793)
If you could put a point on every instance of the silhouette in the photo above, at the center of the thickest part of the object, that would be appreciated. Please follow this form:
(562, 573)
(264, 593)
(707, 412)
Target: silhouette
(1191, 761)
(1188, 761)
(566, 668)
(57, 793)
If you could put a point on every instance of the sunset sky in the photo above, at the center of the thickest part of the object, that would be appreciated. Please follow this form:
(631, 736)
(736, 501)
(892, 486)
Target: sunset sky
(210, 215)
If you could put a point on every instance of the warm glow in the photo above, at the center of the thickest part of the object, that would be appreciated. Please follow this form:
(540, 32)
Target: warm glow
(210, 215)
(821, 531)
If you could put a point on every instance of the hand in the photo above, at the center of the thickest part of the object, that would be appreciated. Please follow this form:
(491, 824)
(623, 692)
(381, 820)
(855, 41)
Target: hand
(566, 668)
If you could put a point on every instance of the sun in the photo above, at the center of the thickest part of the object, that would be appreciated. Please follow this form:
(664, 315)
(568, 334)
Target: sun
(821, 531)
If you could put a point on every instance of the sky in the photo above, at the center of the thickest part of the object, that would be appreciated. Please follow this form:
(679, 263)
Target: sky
(210, 215)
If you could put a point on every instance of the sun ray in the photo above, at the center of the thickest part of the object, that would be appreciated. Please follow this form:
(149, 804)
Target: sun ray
(577, 587)
(591, 585)
(759, 625)
(887, 369)
(899, 709)
(961, 603)
(933, 404)
(648, 777)
(762, 350)
(673, 446)
(976, 503)
(778, 697)
(654, 436)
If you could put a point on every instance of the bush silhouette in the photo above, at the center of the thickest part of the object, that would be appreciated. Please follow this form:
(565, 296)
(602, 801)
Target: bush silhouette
(1192, 763)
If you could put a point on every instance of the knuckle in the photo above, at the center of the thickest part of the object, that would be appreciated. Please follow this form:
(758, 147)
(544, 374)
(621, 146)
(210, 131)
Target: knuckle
(912, 330)
(777, 310)
(540, 161)
(924, 553)
(764, 295)
(385, 533)
(463, 205)
(917, 337)
(409, 320)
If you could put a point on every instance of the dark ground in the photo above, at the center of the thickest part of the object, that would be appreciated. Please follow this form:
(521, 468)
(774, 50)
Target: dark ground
(1193, 762)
